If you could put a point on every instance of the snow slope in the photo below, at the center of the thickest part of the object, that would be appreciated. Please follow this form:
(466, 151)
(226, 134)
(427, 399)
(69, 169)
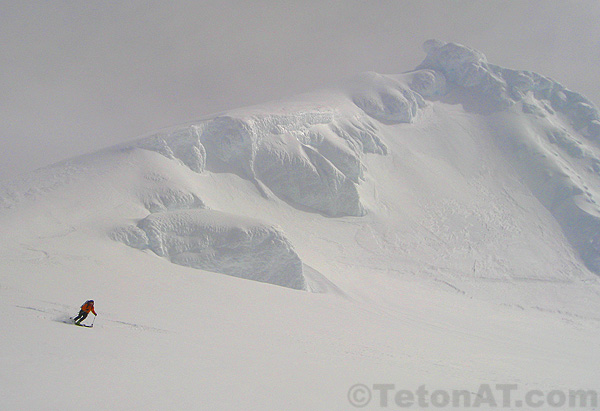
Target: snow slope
(437, 227)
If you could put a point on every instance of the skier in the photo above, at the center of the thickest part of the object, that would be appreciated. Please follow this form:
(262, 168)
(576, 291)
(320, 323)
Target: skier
(85, 310)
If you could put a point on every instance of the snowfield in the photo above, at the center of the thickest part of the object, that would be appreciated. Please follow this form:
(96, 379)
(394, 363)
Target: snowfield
(436, 228)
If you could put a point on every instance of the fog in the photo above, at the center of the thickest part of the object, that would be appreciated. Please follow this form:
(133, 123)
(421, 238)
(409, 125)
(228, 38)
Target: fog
(79, 76)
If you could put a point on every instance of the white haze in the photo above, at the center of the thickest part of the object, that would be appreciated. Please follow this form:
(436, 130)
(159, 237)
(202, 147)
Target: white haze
(78, 76)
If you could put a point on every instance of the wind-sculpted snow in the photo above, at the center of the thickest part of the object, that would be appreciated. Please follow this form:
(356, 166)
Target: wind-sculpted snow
(167, 198)
(182, 144)
(385, 98)
(469, 68)
(309, 158)
(428, 83)
(219, 242)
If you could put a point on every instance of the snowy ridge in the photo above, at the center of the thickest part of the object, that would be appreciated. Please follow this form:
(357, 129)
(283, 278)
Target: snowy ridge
(469, 68)
(309, 158)
(313, 152)
(314, 157)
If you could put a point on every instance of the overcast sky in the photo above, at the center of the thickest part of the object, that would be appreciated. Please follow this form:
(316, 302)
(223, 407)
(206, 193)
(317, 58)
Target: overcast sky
(77, 76)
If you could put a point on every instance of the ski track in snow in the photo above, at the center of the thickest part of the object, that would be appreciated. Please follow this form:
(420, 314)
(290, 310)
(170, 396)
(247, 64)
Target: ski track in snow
(59, 315)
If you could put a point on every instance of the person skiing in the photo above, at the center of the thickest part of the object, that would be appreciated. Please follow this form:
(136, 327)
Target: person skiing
(85, 310)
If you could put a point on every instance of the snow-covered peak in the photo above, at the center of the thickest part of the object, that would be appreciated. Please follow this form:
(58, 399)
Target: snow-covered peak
(453, 59)
(469, 68)
(372, 147)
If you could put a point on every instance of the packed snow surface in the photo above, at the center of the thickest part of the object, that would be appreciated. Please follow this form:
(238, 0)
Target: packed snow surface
(438, 227)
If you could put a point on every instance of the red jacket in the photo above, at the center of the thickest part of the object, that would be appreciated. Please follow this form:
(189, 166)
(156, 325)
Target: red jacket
(87, 307)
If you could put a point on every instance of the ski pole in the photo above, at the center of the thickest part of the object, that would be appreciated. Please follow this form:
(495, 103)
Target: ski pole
(94, 320)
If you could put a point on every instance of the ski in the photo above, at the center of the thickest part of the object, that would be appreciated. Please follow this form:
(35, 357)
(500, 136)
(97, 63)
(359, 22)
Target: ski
(81, 325)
